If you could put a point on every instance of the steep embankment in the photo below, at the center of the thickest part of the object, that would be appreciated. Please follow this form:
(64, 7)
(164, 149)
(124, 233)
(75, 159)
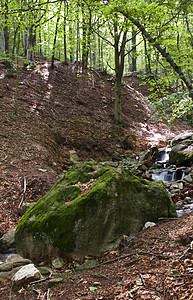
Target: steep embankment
(60, 110)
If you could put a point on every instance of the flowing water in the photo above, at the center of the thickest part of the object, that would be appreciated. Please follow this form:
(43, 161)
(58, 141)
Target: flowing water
(167, 174)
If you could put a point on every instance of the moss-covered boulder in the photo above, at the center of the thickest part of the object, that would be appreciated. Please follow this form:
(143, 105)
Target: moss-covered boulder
(88, 211)
(182, 150)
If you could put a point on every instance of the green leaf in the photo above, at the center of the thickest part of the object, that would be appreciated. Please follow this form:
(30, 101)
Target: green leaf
(174, 272)
(92, 288)
(25, 158)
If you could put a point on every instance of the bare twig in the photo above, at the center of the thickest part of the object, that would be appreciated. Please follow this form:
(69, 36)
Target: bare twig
(51, 273)
(24, 190)
(11, 290)
(185, 252)
(38, 281)
(38, 292)
(142, 279)
(48, 294)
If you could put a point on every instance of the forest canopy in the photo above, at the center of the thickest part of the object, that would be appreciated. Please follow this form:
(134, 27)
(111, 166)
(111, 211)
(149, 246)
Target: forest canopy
(154, 39)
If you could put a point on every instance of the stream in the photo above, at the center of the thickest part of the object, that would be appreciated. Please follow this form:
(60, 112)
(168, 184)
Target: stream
(170, 174)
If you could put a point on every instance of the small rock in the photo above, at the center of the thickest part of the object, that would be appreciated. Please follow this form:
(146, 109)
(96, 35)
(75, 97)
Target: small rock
(26, 274)
(58, 263)
(188, 178)
(87, 264)
(73, 156)
(149, 224)
(44, 271)
(54, 281)
(14, 258)
(7, 241)
(23, 209)
(188, 200)
(8, 266)
(179, 204)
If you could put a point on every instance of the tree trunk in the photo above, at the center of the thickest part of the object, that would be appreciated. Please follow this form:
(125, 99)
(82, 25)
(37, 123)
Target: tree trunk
(147, 58)
(77, 42)
(84, 38)
(134, 52)
(6, 36)
(55, 37)
(119, 67)
(64, 30)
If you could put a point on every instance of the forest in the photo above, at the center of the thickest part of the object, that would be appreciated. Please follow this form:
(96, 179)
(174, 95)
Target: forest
(96, 149)
(152, 38)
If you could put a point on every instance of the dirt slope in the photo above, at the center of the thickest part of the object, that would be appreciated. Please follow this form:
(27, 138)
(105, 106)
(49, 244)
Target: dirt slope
(68, 108)
(60, 110)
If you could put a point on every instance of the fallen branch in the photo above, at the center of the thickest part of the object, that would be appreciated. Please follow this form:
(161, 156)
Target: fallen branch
(24, 190)
(38, 281)
(185, 252)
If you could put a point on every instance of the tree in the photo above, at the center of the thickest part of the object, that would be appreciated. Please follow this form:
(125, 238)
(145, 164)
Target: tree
(172, 55)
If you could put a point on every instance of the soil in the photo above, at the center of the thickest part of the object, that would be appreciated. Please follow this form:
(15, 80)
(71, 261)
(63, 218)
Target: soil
(47, 113)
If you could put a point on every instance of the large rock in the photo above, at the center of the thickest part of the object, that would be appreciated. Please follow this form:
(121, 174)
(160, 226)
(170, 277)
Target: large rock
(88, 211)
(182, 150)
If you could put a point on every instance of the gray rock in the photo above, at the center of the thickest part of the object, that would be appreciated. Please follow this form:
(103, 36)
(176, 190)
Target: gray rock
(73, 156)
(7, 241)
(88, 264)
(188, 200)
(7, 266)
(188, 178)
(182, 150)
(26, 274)
(58, 263)
(54, 281)
(9, 274)
(12, 258)
(181, 137)
(44, 271)
(179, 204)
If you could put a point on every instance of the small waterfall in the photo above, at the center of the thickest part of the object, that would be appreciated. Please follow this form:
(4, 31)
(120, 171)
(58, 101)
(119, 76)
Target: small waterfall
(164, 155)
(164, 175)
(164, 171)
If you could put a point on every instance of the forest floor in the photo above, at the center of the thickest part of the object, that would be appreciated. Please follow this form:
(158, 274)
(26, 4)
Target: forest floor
(72, 109)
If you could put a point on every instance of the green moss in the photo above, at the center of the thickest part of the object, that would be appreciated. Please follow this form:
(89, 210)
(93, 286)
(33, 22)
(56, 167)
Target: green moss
(64, 213)
(36, 216)
(80, 172)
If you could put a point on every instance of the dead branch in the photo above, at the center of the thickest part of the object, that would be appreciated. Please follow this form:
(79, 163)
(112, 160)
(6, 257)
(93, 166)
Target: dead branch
(185, 252)
(24, 190)
(38, 281)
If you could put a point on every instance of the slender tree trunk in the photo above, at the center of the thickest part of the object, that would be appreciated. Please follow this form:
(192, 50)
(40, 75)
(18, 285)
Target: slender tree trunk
(77, 42)
(6, 36)
(134, 52)
(64, 30)
(119, 67)
(89, 32)
(55, 37)
(99, 53)
(14, 42)
(84, 38)
(71, 43)
(147, 58)
(17, 80)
